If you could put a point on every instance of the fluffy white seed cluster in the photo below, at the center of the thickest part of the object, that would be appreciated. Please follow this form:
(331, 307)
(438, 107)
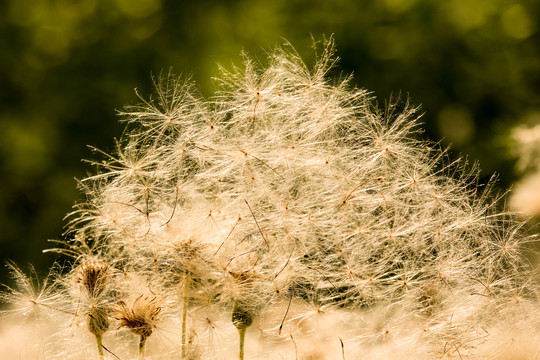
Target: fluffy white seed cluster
(292, 208)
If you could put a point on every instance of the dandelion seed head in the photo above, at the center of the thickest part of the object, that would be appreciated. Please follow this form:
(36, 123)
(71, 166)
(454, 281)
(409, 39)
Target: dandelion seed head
(295, 204)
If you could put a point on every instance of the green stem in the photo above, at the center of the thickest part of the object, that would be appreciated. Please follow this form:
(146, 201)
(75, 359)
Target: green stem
(142, 343)
(242, 333)
(242, 318)
(100, 346)
(184, 315)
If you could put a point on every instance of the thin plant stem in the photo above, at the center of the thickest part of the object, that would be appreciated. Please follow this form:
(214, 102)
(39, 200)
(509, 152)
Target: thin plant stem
(142, 344)
(295, 347)
(100, 346)
(242, 318)
(184, 314)
(242, 333)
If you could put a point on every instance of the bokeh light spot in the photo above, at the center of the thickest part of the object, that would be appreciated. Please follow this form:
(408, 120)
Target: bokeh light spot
(388, 43)
(141, 30)
(49, 47)
(456, 124)
(468, 15)
(27, 12)
(516, 23)
(28, 147)
(138, 9)
(399, 6)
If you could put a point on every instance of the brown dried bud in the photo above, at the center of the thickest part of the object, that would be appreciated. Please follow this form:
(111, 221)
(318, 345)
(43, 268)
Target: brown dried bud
(140, 317)
(94, 275)
(242, 317)
(98, 321)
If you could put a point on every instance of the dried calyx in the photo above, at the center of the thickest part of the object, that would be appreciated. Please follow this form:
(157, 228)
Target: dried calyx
(141, 317)
(94, 276)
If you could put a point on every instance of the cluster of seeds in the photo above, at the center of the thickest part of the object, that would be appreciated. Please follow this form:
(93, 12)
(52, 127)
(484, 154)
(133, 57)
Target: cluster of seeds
(293, 209)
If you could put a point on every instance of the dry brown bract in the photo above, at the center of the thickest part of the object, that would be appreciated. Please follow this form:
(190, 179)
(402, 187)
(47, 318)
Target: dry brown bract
(94, 275)
(141, 317)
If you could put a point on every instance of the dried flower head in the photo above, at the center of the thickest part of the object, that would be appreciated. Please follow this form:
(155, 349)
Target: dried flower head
(94, 276)
(140, 316)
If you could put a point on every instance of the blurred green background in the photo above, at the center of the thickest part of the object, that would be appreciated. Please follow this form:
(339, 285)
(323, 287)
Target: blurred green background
(66, 66)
